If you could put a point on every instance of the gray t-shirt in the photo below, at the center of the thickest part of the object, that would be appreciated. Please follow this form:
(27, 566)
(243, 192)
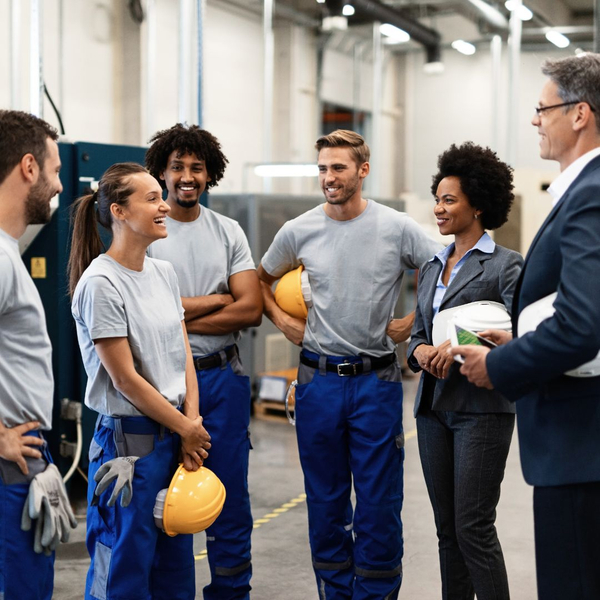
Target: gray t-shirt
(205, 253)
(355, 270)
(26, 380)
(145, 307)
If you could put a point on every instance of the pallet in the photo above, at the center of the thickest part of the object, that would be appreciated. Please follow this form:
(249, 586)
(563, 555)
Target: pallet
(270, 410)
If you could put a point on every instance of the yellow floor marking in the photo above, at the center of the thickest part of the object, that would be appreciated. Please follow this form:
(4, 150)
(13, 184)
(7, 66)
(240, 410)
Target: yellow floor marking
(285, 507)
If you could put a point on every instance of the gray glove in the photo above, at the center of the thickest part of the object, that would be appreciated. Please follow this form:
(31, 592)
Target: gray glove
(122, 470)
(48, 503)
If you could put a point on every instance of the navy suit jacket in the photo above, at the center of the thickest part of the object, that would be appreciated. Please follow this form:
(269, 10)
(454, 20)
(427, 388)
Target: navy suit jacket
(558, 416)
(484, 276)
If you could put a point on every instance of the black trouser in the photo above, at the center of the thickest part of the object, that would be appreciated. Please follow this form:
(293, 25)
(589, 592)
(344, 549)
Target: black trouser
(567, 541)
(463, 457)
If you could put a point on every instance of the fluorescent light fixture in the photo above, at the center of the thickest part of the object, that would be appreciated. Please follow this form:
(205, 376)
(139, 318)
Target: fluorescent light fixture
(286, 170)
(557, 38)
(433, 68)
(463, 47)
(348, 10)
(395, 34)
(337, 23)
(522, 11)
(320, 1)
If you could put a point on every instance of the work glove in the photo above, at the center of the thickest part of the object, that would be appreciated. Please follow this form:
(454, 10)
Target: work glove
(47, 503)
(122, 470)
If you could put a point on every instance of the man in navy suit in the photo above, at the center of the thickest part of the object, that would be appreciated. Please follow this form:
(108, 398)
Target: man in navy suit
(558, 416)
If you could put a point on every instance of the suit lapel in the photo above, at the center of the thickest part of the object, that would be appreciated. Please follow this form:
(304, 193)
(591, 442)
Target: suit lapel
(471, 269)
(428, 286)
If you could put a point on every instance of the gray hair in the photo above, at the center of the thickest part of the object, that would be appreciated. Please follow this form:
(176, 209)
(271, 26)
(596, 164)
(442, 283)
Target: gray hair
(577, 79)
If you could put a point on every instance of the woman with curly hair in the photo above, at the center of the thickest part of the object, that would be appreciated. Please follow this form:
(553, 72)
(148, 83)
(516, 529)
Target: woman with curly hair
(464, 432)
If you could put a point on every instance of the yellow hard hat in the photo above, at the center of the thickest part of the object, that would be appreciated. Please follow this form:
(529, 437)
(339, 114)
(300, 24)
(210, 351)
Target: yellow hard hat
(292, 292)
(192, 503)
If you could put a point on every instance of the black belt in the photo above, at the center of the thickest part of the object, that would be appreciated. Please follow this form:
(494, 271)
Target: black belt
(214, 360)
(347, 369)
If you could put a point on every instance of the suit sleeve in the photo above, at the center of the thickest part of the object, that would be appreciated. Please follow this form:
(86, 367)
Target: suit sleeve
(418, 335)
(571, 336)
(509, 275)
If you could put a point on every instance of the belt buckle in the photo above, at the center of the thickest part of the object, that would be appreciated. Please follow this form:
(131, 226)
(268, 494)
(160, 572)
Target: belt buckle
(347, 373)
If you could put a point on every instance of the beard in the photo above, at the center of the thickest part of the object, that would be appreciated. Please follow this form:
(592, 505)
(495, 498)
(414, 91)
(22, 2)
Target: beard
(187, 203)
(37, 205)
(347, 193)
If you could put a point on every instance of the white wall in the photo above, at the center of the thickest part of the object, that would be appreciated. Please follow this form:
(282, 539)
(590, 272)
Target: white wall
(106, 100)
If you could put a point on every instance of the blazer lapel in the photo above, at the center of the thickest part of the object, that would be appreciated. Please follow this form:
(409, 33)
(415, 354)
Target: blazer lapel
(471, 269)
(427, 288)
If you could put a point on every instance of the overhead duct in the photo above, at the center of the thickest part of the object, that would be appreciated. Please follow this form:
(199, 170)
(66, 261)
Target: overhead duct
(384, 14)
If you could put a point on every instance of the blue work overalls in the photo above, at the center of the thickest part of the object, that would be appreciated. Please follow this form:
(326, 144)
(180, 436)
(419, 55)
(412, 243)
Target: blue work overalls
(225, 408)
(23, 572)
(131, 557)
(349, 432)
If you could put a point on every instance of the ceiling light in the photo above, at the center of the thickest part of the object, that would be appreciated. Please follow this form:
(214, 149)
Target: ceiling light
(287, 170)
(320, 1)
(337, 23)
(348, 10)
(394, 34)
(522, 11)
(433, 68)
(557, 38)
(464, 47)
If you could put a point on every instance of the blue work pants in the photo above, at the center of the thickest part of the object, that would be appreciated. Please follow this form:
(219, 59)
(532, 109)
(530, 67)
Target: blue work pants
(132, 559)
(350, 432)
(23, 572)
(225, 408)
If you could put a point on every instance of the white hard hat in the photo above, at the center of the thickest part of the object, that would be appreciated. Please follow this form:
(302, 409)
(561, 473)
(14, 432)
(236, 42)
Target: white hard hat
(543, 309)
(475, 316)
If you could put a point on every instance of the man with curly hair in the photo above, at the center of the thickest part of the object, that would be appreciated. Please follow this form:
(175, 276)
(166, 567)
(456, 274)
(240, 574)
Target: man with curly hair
(221, 296)
(558, 403)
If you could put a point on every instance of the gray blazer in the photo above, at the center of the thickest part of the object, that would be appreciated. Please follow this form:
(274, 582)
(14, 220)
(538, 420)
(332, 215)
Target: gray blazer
(484, 276)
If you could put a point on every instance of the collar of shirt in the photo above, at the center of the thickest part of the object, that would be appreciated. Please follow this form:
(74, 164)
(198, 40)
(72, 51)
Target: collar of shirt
(562, 183)
(484, 244)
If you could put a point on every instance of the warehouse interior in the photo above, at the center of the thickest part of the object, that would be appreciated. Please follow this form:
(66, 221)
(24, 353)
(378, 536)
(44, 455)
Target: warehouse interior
(268, 77)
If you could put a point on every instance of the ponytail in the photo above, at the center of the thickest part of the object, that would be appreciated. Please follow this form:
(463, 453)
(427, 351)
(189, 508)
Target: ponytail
(114, 188)
(86, 244)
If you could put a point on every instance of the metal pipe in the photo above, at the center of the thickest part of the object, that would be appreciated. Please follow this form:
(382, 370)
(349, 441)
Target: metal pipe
(429, 38)
(356, 84)
(200, 5)
(377, 104)
(15, 54)
(185, 69)
(150, 65)
(269, 70)
(36, 81)
(514, 48)
(496, 55)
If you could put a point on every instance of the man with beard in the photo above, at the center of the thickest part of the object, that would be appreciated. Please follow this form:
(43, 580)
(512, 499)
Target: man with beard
(29, 179)
(349, 397)
(221, 296)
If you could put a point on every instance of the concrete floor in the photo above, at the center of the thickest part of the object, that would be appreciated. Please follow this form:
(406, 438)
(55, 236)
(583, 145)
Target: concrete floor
(280, 552)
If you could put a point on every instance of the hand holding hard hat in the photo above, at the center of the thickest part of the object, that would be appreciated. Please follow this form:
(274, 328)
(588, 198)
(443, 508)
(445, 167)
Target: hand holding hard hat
(293, 294)
(543, 309)
(192, 502)
(474, 316)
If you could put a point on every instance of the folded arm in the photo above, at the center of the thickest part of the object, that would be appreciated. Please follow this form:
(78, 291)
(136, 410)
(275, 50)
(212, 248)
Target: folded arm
(245, 310)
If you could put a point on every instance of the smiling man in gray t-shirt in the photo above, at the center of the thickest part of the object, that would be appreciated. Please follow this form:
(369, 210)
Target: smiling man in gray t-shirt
(221, 296)
(349, 397)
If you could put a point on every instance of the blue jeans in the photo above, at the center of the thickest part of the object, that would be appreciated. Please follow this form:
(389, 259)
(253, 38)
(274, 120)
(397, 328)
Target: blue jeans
(463, 456)
(350, 432)
(225, 408)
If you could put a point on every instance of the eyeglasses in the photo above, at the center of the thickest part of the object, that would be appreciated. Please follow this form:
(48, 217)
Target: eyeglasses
(540, 109)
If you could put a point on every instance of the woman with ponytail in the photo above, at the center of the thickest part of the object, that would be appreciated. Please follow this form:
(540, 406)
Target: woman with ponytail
(141, 381)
